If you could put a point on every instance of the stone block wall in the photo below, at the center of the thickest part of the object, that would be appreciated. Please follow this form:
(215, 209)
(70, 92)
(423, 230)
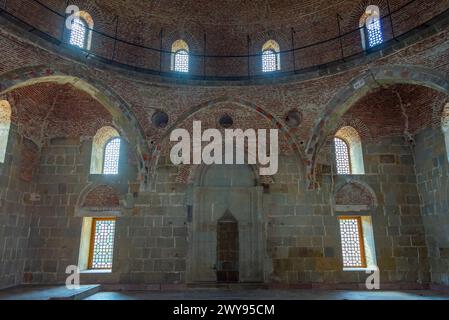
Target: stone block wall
(55, 231)
(302, 232)
(432, 177)
(303, 228)
(152, 240)
(14, 219)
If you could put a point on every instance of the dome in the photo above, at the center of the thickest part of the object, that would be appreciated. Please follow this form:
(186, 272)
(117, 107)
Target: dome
(230, 39)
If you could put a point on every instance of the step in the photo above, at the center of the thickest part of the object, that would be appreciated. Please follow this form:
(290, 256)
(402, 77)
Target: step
(78, 294)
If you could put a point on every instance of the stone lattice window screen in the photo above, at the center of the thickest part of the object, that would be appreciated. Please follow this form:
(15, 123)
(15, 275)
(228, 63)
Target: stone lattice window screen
(180, 56)
(5, 124)
(103, 136)
(349, 152)
(102, 243)
(271, 60)
(81, 31)
(342, 156)
(111, 156)
(371, 27)
(353, 248)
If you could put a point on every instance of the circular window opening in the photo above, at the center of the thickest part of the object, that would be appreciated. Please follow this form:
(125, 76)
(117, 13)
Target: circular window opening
(293, 118)
(160, 119)
(226, 121)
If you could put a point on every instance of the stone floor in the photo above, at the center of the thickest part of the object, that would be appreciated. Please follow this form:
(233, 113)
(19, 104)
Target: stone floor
(92, 293)
(219, 294)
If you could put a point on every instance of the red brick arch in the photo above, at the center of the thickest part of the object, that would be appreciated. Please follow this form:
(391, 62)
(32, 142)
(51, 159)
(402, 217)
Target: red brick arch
(284, 131)
(360, 86)
(122, 113)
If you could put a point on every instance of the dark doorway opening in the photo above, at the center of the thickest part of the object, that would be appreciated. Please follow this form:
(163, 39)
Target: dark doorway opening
(227, 249)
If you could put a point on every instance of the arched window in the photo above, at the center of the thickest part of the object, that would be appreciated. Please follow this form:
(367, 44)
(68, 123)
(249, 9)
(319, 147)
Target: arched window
(111, 156)
(81, 31)
(342, 156)
(348, 152)
(371, 28)
(271, 60)
(180, 56)
(105, 151)
(5, 123)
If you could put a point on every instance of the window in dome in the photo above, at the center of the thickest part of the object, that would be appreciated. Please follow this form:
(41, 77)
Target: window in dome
(271, 56)
(81, 31)
(180, 56)
(371, 27)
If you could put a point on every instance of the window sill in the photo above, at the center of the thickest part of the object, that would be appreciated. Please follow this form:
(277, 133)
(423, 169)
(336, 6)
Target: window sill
(99, 271)
(369, 269)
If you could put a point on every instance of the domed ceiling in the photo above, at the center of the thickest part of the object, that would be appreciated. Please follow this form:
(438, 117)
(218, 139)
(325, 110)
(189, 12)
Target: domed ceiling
(225, 38)
(225, 12)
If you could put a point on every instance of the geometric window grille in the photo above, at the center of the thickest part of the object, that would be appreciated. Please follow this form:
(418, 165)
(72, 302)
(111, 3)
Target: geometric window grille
(181, 61)
(102, 243)
(352, 242)
(269, 61)
(342, 156)
(78, 33)
(374, 31)
(111, 156)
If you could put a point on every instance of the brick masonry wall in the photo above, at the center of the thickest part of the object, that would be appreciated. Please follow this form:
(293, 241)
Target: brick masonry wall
(143, 24)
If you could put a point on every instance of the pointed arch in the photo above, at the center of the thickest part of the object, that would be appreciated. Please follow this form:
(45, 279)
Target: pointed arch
(123, 116)
(372, 79)
(283, 129)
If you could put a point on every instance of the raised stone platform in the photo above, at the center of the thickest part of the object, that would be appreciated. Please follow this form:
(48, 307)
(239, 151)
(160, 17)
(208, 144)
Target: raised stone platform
(35, 292)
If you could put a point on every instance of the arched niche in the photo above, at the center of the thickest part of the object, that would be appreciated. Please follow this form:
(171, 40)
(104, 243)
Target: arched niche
(123, 116)
(373, 79)
(220, 189)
